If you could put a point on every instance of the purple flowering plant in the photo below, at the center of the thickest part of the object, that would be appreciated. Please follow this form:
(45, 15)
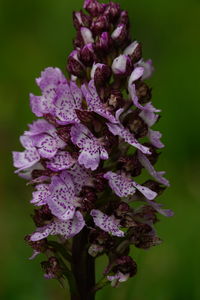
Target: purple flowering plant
(86, 151)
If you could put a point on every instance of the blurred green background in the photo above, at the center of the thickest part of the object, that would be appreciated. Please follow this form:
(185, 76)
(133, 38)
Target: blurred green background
(38, 33)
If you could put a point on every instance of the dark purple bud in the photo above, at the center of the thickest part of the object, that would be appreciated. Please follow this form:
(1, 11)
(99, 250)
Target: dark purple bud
(89, 197)
(144, 93)
(120, 34)
(136, 124)
(42, 216)
(85, 116)
(112, 11)
(154, 186)
(100, 24)
(74, 65)
(134, 50)
(38, 173)
(93, 7)
(124, 19)
(130, 164)
(147, 213)
(52, 268)
(40, 246)
(143, 236)
(100, 182)
(87, 54)
(81, 20)
(122, 65)
(125, 265)
(101, 73)
(86, 34)
(64, 133)
(105, 42)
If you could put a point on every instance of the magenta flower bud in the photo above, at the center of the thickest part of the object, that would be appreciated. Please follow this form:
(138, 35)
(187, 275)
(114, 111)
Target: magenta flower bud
(134, 50)
(104, 44)
(86, 34)
(81, 20)
(74, 65)
(112, 10)
(122, 65)
(93, 7)
(120, 34)
(100, 73)
(87, 54)
(100, 24)
(124, 19)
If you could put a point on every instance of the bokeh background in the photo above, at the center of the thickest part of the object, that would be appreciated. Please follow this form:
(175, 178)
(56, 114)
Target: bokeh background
(38, 33)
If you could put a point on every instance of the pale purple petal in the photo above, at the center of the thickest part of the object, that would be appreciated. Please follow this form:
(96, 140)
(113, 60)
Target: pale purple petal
(117, 278)
(50, 76)
(26, 159)
(94, 102)
(121, 185)
(80, 177)
(159, 209)
(119, 65)
(86, 34)
(76, 93)
(61, 200)
(41, 194)
(124, 186)
(61, 161)
(46, 145)
(148, 68)
(91, 149)
(149, 114)
(125, 134)
(38, 127)
(69, 228)
(149, 194)
(131, 48)
(149, 167)
(133, 94)
(154, 137)
(135, 75)
(107, 223)
(26, 142)
(65, 104)
(42, 232)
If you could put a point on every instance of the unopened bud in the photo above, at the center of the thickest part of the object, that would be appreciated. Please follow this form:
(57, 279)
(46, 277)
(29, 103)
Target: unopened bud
(81, 20)
(93, 7)
(74, 65)
(124, 19)
(87, 54)
(134, 50)
(112, 11)
(122, 65)
(100, 24)
(86, 34)
(120, 34)
(100, 73)
(143, 92)
(104, 44)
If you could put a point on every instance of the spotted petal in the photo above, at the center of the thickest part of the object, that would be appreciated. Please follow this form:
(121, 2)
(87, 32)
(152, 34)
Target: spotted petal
(94, 102)
(26, 159)
(125, 134)
(61, 201)
(91, 149)
(124, 186)
(41, 194)
(38, 127)
(80, 177)
(61, 161)
(67, 229)
(107, 223)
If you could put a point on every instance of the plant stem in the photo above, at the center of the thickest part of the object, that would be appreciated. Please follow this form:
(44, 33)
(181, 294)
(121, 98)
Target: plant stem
(83, 267)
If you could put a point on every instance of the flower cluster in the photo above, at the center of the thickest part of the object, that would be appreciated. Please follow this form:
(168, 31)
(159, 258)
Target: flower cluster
(93, 138)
